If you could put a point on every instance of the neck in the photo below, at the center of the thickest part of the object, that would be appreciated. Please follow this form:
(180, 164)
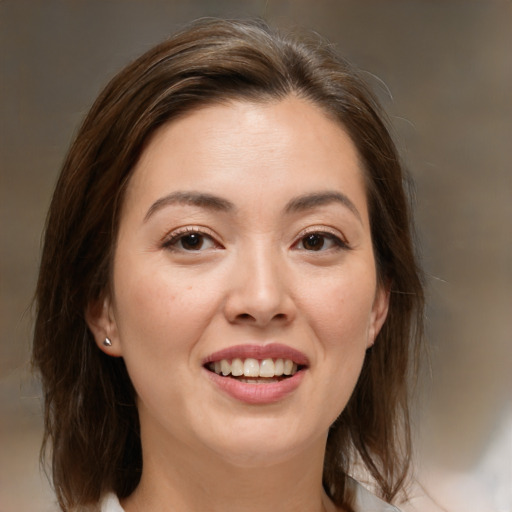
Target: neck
(176, 478)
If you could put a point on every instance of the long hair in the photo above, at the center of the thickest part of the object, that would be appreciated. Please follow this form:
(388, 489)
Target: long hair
(91, 420)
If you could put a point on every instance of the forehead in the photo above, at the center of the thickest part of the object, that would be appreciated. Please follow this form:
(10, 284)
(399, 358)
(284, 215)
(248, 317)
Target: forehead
(287, 146)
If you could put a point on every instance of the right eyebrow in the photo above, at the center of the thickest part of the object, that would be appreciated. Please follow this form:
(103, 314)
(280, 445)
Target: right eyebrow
(316, 199)
(200, 199)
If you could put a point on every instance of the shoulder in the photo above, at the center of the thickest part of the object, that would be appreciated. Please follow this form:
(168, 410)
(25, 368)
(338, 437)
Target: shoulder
(365, 501)
(110, 503)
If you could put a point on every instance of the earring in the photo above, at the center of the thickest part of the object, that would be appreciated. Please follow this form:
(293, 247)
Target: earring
(107, 342)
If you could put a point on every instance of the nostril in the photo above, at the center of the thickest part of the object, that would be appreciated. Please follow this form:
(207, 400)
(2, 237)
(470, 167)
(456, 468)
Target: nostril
(248, 317)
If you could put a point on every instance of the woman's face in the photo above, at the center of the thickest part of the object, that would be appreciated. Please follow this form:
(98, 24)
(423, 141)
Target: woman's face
(244, 248)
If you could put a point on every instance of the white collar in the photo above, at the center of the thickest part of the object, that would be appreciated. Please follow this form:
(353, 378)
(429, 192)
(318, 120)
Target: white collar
(365, 501)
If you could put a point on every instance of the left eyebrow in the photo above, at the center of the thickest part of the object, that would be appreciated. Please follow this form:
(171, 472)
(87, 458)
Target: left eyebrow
(316, 199)
(198, 199)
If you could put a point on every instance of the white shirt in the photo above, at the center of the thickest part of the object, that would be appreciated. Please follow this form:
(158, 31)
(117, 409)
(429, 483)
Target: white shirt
(365, 501)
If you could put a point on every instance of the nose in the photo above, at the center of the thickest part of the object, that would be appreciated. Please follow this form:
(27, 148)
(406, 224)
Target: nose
(259, 292)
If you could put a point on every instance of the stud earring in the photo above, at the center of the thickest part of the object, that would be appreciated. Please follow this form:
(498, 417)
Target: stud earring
(107, 342)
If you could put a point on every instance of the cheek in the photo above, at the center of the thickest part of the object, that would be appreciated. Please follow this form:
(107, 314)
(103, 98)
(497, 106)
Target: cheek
(161, 313)
(161, 319)
(340, 309)
(340, 313)
(342, 329)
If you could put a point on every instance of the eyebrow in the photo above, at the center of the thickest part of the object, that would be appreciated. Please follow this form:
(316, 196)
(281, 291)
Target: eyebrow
(209, 201)
(316, 199)
(199, 199)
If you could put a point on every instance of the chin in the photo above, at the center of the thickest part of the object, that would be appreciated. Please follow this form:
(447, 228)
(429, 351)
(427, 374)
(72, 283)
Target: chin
(262, 443)
(245, 456)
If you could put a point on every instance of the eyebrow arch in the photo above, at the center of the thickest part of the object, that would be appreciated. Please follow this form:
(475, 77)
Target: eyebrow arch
(200, 199)
(309, 201)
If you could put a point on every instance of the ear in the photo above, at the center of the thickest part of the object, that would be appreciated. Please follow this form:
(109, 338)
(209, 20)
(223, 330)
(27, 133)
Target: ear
(100, 318)
(379, 313)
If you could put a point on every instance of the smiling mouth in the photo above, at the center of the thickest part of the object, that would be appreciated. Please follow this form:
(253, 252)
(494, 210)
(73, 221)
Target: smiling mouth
(255, 371)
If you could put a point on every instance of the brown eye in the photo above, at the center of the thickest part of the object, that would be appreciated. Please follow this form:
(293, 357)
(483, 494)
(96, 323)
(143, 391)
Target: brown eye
(192, 242)
(313, 242)
(320, 241)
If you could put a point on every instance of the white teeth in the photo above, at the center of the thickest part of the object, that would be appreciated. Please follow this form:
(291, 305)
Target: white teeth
(253, 368)
(237, 367)
(225, 367)
(267, 368)
(288, 366)
(279, 367)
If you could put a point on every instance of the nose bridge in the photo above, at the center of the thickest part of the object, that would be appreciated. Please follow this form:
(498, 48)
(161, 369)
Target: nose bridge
(260, 291)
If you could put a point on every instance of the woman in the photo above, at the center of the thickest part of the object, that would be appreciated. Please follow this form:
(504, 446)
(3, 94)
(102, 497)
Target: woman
(228, 301)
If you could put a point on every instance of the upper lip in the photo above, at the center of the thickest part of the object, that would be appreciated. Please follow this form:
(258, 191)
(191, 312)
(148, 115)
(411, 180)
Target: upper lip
(270, 351)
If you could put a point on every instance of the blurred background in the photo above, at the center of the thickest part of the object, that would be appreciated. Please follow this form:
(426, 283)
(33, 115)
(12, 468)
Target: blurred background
(443, 70)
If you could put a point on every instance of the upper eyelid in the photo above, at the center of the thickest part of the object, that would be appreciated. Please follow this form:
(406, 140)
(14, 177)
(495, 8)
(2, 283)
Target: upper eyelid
(176, 233)
(337, 238)
(326, 230)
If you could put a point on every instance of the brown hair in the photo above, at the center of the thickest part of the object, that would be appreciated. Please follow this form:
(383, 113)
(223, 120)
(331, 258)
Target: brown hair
(91, 420)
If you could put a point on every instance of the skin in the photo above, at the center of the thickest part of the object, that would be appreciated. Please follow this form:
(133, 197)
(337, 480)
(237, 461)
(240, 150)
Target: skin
(255, 280)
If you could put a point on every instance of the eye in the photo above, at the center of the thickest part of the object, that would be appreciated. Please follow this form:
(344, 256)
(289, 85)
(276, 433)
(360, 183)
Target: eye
(320, 241)
(190, 240)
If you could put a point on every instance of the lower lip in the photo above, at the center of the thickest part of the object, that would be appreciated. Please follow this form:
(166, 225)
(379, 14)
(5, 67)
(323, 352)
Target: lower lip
(257, 394)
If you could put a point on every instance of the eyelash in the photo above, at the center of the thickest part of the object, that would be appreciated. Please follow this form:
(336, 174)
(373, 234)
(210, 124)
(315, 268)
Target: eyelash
(174, 238)
(171, 241)
(337, 241)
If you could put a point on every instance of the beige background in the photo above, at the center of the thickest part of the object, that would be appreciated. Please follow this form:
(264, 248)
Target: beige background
(444, 72)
